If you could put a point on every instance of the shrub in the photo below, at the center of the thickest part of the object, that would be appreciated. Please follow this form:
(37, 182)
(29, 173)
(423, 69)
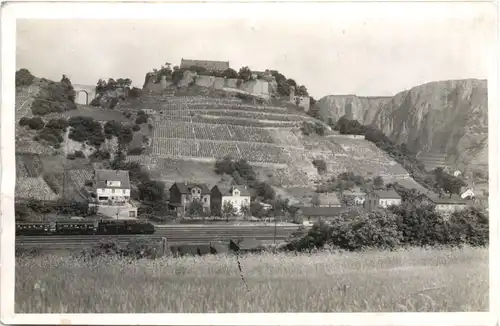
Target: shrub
(135, 249)
(71, 156)
(320, 165)
(79, 154)
(36, 123)
(136, 128)
(135, 151)
(143, 118)
(24, 121)
(470, 227)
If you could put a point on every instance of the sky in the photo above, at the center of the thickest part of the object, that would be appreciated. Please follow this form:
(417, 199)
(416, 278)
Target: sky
(346, 51)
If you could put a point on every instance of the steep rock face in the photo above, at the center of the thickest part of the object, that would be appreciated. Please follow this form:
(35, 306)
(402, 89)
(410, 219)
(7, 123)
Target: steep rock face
(448, 117)
(354, 107)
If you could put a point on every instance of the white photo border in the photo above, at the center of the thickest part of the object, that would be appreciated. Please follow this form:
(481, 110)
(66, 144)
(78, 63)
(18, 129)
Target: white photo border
(11, 11)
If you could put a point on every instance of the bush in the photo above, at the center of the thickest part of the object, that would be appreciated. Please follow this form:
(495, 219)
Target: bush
(79, 154)
(134, 249)
(320, 165)
(71, 156)
(24, 121)
(36, 123)
(135, 151)
(470, 227)
(141, 119)
(136, 128)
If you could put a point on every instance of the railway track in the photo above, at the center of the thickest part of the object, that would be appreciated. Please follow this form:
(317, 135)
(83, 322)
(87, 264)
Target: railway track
(174, 235)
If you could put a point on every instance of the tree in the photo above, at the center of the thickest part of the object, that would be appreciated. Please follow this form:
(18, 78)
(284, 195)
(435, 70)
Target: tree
(24, 77)
(228, 210)
(152, 191)
(245, 73)
(315, 200)
(245, 210)
(230, 73)
(195, 208)
(378, 182)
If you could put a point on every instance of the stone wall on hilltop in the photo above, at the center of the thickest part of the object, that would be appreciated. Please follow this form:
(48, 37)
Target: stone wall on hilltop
(448, 117)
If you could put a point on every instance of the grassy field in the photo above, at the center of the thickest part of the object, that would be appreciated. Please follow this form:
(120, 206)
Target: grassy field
(413, 280)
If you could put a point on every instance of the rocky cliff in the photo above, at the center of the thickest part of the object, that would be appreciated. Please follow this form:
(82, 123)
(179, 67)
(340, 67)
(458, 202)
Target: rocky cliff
(449, 117)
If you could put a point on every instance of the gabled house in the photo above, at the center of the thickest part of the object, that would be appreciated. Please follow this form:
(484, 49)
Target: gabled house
(112, 186)
(382, 198)
(354, 197)
(238, 196)
(325, 200)
(111, 189)
(457, 173)
(182, 194)
(311, 214)
(448, 205)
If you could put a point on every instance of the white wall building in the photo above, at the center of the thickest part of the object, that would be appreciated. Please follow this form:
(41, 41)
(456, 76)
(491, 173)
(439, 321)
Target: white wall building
(112, 193)
(238, 196)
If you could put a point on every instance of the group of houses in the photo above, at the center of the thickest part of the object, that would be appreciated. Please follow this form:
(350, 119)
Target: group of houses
(112, 198)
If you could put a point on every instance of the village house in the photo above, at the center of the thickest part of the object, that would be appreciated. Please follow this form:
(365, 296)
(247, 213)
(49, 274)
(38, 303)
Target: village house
(182, 194)
(112, 193)
(310, 214)
(214, 66)
(382, 198)
(325, 200)
(354, 197)
(238, 196)
(467, 193)
(457, 173)
(449, 205)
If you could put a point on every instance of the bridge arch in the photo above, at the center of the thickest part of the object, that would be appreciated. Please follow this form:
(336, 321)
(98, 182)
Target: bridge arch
(86, 96)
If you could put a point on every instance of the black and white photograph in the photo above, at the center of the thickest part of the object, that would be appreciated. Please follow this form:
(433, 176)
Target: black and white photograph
(328, 158)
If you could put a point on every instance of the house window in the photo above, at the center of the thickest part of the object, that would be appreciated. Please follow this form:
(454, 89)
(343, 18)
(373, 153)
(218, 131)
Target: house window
(205, 200)
(112, 191)
(131, 214)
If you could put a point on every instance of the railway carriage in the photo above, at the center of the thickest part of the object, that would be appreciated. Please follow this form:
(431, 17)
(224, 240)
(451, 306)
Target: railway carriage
(110, 227)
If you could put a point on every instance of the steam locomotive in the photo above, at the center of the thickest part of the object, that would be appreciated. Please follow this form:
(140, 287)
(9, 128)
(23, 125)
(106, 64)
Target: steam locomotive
(102, 227)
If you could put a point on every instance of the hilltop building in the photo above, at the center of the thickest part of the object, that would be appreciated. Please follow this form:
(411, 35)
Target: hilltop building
(382, 198)
(238, 196)
(182, 194)
(303, 102)
(111, 189)
(218, 66)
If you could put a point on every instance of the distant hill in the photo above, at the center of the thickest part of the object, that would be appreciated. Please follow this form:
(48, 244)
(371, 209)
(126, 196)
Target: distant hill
(443, 117)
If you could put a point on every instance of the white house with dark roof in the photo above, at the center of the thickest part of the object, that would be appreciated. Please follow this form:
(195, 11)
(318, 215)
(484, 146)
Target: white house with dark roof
(238, 196)
(112, 187)
(112, 194)
(382, 198)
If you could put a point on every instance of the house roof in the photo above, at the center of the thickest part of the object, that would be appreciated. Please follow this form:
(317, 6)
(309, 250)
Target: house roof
(101, 176)
(207, 64)
(322, 211)
(326, 199)
(227, 191)
(354, 192)
(454, 200)
(387, 194)
(185, 187)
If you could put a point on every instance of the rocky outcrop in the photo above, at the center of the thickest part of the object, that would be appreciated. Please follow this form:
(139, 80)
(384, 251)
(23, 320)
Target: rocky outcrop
(448, 117)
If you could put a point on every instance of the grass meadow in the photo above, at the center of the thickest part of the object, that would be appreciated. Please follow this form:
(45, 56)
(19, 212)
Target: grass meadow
(408, 280)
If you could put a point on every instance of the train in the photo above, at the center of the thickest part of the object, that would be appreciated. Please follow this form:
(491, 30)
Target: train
(98, 227)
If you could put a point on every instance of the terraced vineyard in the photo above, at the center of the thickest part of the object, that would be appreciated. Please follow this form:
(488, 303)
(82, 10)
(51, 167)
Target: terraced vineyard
(185, 130)
(35, 188)
(80, 177)
(252, 152)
